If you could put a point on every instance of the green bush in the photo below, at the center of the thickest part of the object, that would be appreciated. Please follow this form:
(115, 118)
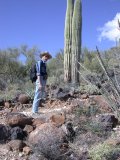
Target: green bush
(90, 89)
(104, 151)
(10, 92)
(89, 111)
(95, 127)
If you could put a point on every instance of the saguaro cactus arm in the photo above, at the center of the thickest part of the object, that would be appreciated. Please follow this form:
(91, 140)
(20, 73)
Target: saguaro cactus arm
(76, 40)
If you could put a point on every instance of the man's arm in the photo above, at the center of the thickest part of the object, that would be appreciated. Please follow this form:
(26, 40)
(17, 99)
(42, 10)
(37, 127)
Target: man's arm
(38, 74)
(39, 79)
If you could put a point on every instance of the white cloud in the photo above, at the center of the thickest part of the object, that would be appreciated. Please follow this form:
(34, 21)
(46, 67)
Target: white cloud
(110, 30)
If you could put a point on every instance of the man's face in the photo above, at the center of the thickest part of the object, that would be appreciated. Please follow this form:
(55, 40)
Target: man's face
(45, 58)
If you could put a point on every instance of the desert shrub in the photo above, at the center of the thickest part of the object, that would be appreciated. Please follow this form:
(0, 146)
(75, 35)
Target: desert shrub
(54, 80)
(10, 92)
(55, 69)
(95, 127)
(91, 63)
(104, 151)
(88, 111)
(28, 88)
(90, 89)
(13, 90)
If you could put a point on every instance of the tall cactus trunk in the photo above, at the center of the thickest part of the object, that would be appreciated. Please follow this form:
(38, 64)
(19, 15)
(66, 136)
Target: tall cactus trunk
(68, 41)
(76, 40)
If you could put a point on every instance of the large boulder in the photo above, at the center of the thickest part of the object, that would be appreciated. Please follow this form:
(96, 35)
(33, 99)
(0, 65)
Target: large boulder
(46, 132)
(18, 119)
(47, 139)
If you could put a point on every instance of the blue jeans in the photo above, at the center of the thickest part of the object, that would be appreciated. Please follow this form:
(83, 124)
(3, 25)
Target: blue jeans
(39, 94)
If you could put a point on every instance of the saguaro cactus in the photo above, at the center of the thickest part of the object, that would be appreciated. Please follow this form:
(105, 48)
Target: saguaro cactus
(68, 41)
(76, 40)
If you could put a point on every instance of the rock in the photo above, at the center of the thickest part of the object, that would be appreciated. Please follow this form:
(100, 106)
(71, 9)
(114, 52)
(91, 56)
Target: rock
(27, 150)
(23, 99)
(108, 121)
(28, 129)
(38, 121)
(69, 131)
(113, 142)
(63, 96)
(37, 156)
(58, 119)
(8, 133)
(46, 132)
(47, 139)
(76, 102)
(84, 96)
(1, 102)
(58, 90)
(17, 133)
(101, 102)
(14, 110)
(7, 104)
(18, 119)
(16, 145)
(4, 149)
(18, 107)
(4, 132)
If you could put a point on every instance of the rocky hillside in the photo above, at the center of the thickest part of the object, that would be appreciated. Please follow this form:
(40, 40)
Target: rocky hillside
(69, 126)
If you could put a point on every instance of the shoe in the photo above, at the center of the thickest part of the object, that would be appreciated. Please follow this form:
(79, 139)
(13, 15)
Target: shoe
(41, 105)
(42, 101)
(35, 114)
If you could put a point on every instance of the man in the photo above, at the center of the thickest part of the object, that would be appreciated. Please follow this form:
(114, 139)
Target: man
(41, 80)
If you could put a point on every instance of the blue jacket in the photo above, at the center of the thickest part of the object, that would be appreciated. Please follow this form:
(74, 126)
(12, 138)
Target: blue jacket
(41, 68)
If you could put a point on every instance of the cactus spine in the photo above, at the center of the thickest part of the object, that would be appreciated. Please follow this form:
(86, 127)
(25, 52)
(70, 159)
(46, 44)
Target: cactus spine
(76, 40)
(68, 41)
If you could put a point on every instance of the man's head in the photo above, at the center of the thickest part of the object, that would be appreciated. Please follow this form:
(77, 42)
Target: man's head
(45, 56)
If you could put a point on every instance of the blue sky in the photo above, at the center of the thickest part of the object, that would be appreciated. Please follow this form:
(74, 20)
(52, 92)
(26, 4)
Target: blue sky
(41, 23)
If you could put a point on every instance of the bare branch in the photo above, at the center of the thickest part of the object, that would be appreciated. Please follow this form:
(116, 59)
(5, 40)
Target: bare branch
(106, 72)
(112, 103)
(116, 77)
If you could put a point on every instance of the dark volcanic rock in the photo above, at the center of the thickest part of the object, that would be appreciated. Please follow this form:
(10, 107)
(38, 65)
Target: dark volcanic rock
(1, 102)
(108, 121)
(4, 132)
(17, 133)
